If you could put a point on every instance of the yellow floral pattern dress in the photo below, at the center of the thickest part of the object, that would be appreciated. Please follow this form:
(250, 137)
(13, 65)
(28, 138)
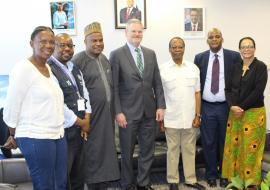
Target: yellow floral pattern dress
(244, 145)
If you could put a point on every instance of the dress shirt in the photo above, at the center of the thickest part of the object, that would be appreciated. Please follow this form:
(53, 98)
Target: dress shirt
(70, 116)
(134, 53)
(180, 83)
(59, 18)
(196, 26)
(207, 94)
(34, 104)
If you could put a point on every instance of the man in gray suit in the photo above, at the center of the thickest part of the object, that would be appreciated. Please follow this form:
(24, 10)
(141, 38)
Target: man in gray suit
(139, 103)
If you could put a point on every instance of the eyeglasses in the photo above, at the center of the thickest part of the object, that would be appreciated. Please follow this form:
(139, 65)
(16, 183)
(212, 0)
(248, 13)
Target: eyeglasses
(246, 47)
(63, 46)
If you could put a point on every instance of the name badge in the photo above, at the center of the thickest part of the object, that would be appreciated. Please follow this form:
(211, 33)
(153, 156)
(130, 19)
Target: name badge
(80, 103)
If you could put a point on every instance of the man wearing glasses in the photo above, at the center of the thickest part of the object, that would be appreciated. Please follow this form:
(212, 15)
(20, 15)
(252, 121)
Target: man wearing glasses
(77, 106)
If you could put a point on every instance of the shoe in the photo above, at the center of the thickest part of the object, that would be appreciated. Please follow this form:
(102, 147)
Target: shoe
(212, 182)
(223, 182)
(173, 186)
(195, 186)
(130, 187)
(147, 187)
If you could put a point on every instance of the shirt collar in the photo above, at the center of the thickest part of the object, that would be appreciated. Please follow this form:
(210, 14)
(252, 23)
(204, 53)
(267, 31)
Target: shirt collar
(173, 64)
(132, 48)
(219, 53)
(69, 64)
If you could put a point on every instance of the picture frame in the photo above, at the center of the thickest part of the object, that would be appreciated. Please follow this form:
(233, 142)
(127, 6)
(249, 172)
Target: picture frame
(63, 18)
(123, 13)
(194, 22)
(4, 81)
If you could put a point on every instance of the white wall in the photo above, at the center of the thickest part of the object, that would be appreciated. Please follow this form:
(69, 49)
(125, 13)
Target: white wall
(235, 18)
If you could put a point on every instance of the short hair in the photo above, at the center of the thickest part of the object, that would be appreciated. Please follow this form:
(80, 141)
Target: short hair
(40, 29)
(214, 30)
(194, 9)
(176, 38)
(133, 21)
(247, 38)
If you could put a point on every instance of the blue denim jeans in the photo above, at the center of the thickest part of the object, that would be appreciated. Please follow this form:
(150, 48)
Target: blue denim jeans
(47, 162)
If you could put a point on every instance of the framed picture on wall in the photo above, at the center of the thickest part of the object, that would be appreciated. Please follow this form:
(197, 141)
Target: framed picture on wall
(3, 89)
(63, 17)
(194, 22)
(128, 9)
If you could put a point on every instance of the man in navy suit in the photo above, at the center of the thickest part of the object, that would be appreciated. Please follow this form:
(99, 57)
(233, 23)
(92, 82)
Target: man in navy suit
(194, 25)
(214, 106)
(139, 103)
(129, 12)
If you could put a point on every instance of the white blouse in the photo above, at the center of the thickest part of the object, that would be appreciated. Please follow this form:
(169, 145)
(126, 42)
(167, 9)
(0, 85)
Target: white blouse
(34, 104)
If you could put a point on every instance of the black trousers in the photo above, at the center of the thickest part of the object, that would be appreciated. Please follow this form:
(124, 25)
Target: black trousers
(75, 158)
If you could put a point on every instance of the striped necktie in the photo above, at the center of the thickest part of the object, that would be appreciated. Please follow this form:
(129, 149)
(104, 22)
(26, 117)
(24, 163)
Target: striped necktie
(139, 61)
(215, 76)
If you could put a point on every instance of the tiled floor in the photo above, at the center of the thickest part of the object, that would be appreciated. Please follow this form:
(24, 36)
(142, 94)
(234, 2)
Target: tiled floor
(159, 181)
(200, 176)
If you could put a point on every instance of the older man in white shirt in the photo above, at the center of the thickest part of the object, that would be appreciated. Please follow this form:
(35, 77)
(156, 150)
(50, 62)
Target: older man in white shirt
(181, 83)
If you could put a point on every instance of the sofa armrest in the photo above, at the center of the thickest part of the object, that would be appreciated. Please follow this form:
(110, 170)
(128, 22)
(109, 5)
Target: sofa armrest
(14, 170)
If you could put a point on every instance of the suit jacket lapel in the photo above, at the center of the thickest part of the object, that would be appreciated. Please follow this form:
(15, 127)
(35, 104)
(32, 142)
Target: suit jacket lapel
(145, 58)
(227, 63)
(131, 60)
(205, 65)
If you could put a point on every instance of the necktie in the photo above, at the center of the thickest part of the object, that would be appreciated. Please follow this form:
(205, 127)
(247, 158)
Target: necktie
(215, 76)
(194, 27)
(127, 13)
(139, 61)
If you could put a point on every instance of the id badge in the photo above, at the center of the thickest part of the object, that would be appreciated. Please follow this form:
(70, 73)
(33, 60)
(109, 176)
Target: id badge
(80, 103)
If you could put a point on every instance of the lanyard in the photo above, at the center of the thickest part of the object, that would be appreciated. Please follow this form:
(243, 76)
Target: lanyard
(68, 74)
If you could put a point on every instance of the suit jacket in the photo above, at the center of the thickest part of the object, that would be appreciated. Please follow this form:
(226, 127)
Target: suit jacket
(135, 13)
(230, 59)
(135, 95)
(188, 27)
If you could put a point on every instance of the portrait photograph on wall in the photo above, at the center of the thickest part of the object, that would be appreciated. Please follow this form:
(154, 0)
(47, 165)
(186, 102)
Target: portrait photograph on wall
(63, 17)
(129, 9)
(3, 89)
(194, 23)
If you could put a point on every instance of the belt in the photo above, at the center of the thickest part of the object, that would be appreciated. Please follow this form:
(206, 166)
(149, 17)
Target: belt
(214, 103)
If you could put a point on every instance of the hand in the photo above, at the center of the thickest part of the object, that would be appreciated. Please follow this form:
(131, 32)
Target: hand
(10, 143)
(121, 120)
(237, 111)
(84, 124)
(161, 126)
(196, 122)
(160, 115)
(84, 135)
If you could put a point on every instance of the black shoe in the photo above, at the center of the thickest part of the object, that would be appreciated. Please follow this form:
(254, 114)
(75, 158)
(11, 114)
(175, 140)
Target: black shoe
(212, 182)
(223, 182)
(147, 187)
(195, 186)
(173, 186)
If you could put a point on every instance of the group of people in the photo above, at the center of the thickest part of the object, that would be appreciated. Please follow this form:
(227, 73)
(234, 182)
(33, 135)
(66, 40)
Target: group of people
(63, 118)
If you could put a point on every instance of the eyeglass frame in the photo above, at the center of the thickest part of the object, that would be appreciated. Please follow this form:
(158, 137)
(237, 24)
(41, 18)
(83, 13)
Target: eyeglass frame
(63, 46)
